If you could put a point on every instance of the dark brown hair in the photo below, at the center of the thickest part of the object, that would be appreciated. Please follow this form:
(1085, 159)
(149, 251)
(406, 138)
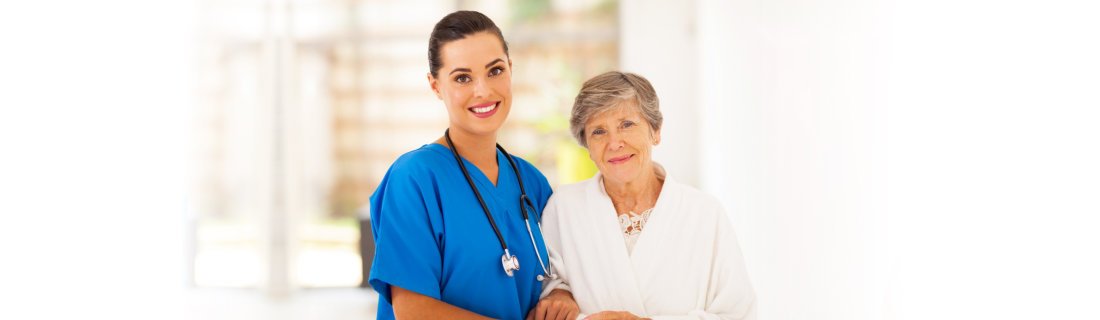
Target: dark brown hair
(455, 26)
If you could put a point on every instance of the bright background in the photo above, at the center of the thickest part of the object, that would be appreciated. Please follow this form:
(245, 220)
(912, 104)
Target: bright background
(879, 159)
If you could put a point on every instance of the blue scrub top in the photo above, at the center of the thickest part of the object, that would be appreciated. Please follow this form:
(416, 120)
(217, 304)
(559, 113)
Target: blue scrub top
(432, 237)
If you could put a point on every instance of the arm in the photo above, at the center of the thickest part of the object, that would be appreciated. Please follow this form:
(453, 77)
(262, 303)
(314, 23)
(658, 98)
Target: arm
(551, 235)
(412, 305)
(558, 305)
(407, 263)
(556, 301)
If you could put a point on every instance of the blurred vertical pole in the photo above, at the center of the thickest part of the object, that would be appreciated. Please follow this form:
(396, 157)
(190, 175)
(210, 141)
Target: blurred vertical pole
(276, 232)
(352, 99)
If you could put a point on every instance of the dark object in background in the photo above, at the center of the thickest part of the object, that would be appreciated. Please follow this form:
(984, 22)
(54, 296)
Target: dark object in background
(366, 248)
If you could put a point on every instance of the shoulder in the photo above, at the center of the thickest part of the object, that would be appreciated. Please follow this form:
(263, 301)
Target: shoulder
(697, 200)
(410, 188)
(529, 170)
(576, 193)
(536, 183)
(579, 188)
(693, 194)
(416, 171)
(421, 161)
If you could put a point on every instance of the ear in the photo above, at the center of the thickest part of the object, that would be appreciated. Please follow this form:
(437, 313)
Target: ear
(434, 83)
(657, 137)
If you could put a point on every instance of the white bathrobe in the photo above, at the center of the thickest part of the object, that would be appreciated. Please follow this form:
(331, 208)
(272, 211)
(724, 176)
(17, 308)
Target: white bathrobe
(686, 264)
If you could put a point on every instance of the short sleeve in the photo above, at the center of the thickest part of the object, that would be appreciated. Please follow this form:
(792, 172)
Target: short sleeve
(544, 192)
(535, 184)
(551, 233)
(407, 251)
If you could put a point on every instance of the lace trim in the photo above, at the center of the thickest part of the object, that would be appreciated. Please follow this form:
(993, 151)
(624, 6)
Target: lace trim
(632, 223)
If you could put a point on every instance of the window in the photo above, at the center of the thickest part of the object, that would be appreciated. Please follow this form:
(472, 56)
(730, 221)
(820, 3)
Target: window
(305, 104)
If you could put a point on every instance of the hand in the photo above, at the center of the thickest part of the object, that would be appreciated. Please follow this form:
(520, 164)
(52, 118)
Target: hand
(558, 305)
(613, 315)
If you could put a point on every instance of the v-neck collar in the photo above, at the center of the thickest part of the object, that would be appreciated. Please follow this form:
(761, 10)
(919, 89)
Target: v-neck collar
(476, 174)
(657, 214)
(611, 233)
(496, 196)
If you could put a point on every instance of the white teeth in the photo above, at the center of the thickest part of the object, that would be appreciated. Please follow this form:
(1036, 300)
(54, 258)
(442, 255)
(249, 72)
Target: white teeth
(485, 109)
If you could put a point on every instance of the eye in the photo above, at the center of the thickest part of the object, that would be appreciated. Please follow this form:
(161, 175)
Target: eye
(495, 71)
(598, 131)
(462, 78)
(627, 124)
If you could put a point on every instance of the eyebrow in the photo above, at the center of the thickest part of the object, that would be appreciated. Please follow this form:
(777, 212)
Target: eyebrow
(491, 63)
(620, 121)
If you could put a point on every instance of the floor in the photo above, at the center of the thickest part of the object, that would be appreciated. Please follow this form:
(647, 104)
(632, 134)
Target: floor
(332, 304)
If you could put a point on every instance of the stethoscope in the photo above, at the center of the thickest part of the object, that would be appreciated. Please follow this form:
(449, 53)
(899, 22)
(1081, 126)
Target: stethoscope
(509, 261)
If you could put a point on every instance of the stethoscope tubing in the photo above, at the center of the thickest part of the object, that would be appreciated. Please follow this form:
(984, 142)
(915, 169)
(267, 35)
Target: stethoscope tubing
(465, 173)
(524, 204)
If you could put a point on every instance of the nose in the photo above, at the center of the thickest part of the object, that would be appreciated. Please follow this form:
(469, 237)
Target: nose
(481, 89)
(616, 141)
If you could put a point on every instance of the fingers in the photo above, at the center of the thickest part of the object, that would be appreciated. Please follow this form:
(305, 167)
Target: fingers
(540, 310)
(553, 311)
(558, 305)
(572, 314)
(570, 311)
(611, 315)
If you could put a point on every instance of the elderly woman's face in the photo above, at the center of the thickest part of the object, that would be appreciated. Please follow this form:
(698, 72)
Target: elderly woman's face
(620, 142)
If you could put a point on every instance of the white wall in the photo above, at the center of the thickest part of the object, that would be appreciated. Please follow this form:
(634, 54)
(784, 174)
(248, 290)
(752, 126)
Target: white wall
(797, 102)
(994, 186)
(94, 100)
(889, 160)
(768, 103)
(658, 42)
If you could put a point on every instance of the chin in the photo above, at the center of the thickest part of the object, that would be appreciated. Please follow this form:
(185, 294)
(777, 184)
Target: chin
(487, 128)
(620, 176)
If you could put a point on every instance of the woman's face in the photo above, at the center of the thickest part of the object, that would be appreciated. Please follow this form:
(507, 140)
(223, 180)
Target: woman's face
(620, 142)
(475, 83)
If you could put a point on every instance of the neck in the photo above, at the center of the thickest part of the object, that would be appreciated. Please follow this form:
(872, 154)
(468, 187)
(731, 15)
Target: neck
(636, 195)
(478, 149)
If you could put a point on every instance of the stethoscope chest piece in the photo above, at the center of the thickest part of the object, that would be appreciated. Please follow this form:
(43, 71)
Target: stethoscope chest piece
(510, 262)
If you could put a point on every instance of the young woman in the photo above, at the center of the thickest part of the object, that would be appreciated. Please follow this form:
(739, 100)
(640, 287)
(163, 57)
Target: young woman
(456, 221)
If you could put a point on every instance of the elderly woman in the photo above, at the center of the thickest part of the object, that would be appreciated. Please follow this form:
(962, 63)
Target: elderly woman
(632, 242)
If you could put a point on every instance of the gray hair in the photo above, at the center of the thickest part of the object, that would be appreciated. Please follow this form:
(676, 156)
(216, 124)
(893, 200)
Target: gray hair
(607, 91)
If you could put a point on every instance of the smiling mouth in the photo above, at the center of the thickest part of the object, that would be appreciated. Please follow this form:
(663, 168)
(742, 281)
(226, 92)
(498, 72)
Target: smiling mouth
(485, 110)
(621, 159)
